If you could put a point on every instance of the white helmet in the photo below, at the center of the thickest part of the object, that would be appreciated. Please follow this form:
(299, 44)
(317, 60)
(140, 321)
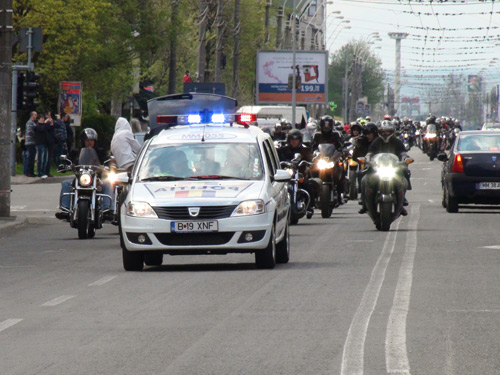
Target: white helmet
(386, 130)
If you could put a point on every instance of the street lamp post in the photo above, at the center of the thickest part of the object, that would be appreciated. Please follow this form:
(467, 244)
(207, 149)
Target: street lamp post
(294, 53)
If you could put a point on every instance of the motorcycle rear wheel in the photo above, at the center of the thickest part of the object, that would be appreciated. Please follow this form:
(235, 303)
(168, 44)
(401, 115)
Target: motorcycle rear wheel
(325, 201)
(83, 219)
(385, 216)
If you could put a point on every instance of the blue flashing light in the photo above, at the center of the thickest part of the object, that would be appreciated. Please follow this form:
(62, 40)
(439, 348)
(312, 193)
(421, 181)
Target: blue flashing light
(194, 119)
(218, 118)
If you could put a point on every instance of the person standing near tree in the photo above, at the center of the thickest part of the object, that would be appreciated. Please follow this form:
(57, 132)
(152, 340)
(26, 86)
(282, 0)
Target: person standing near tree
(187, 77)
(61, 138)
(30, 145)
(51, 142)
(41, 140)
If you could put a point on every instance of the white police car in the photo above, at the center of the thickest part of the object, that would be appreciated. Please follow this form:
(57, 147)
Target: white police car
(206, 189)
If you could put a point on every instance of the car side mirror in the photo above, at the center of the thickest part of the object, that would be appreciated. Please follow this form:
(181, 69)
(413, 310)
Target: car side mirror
(282, 176)
(123, 178)
(442, 157)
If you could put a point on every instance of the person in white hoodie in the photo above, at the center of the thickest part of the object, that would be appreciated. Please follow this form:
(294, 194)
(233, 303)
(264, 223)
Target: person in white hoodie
(123, 145)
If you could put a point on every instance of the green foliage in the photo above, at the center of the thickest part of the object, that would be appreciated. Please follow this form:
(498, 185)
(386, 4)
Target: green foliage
(372, 79)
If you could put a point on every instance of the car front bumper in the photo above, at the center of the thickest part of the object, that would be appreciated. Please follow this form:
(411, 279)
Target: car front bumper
(230, 237)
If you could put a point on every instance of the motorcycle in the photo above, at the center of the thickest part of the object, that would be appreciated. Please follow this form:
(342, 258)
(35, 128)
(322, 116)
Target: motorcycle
(405, 138)
(352, 169)
(431, 141)
(329, 167)
(385, 189)
(299, 198)
(118, 188)
(85, 211)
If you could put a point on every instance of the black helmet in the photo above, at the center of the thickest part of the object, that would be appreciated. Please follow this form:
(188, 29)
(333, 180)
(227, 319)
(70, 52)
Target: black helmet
(294, 134)
(326, 124)
(357, 127)
(431, 120)
(370, 128)
(88, 133)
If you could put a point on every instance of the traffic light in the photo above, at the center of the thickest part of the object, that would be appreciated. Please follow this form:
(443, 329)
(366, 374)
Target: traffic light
(31, 87)
(20, 92)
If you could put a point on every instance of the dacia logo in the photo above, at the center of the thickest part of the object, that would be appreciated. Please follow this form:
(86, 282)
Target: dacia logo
(194, 211)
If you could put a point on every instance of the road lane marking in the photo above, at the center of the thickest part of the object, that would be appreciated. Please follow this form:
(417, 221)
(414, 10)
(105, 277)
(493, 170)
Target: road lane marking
(8, 323)
(494, 247)
(354, 347)
(102, 281)
(431, 200)
(396, 354)
(57, 301)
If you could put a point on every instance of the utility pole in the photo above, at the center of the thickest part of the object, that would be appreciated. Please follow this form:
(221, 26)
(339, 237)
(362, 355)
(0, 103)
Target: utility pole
(218, 44)
(5, 107)
(279, 28)
(294, 61)
(202, 39)
(266, 21)
(397, 84)
(236, 48)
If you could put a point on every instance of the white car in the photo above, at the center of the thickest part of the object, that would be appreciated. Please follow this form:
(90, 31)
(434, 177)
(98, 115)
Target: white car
(206, 189)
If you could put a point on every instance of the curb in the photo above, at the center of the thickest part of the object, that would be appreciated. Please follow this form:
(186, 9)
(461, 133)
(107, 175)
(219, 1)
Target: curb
(12, 222)
(24, 180)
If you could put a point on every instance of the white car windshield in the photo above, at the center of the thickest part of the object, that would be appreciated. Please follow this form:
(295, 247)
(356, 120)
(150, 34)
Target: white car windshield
(202, 161)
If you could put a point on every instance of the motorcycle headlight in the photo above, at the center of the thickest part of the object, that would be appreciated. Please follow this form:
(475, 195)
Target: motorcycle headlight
(323, 164)
(430, 135)
(386, 173)
(140, 209)
(85, 180)
(406, 135)
(290, 171)
(112, 177)
(351, 151)
(254, 207)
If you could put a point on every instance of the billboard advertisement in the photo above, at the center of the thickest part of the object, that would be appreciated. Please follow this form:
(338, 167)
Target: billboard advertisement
(274, 68)
(70, 100)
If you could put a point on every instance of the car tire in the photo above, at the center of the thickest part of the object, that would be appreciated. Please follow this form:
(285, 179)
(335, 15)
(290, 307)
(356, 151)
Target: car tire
(132, 260)
(443, 201)
(265, 258)
(451, 203)
(153, 259)
(283, 247)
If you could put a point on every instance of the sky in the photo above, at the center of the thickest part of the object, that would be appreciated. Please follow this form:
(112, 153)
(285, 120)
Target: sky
(461, 39)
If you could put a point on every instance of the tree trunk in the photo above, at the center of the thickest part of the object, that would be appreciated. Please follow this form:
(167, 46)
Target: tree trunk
(116, 105)
(172, 63)
(236, 48)
(202, 39)
(219, 44)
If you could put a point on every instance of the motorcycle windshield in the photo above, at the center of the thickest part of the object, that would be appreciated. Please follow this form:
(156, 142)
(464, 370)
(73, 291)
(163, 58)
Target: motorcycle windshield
(326, 149)
(385, 160)
(88, 156)
(431, 128)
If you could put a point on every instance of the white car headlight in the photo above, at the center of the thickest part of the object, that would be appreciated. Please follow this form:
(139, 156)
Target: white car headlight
(323, 164)
(254, 207)
(85, 180)
(140, 209)
(386, 173)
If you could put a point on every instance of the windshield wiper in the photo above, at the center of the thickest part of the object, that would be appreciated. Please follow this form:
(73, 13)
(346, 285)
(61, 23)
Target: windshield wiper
(164, 178)
(216, 177)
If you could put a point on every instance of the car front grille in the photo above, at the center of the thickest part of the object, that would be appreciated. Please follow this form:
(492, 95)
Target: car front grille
(182, 213)
(194, 239)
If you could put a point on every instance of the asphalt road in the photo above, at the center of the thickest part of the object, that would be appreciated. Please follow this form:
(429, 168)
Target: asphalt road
(423, 298)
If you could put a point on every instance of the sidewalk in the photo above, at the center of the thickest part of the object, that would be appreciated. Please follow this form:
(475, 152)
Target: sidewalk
(22, 179)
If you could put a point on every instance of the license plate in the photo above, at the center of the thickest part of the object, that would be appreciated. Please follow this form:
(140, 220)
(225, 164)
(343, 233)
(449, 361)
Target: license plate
(194, 226)
(489, 185)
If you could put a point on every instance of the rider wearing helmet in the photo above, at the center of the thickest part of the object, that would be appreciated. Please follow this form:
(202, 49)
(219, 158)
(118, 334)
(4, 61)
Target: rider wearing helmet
(279, 134)
(356, 130)
(363, 142)
(326, 134)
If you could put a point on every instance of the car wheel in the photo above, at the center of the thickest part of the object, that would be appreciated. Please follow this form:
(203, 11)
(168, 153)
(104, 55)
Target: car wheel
(132, 260)
(153, 259)
(283, 247)
(265, 258)
(443, 201)
(451, 203)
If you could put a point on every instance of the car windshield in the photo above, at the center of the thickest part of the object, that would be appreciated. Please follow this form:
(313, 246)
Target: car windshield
(479, 142)
(202, 161)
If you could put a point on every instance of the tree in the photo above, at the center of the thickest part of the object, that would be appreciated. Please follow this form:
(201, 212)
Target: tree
(364, 76)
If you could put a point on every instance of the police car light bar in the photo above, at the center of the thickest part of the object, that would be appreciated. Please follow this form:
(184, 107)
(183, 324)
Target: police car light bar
(246, 118)
(166, 120)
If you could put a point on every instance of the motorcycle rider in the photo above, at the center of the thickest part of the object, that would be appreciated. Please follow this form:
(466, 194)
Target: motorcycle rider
(293, 146)
(124, 146)
(279, 134)
(326, 134)
(88, 138)
(387, 142)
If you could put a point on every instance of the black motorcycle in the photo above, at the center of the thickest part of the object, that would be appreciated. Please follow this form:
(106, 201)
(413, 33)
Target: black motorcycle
(299, 197)
(85, 211)
(431, 141)
(329, 166)
(385, 188)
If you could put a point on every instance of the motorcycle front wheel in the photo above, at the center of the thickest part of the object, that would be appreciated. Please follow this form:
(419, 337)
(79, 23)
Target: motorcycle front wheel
(385, 216)
(353, 189)
(83, 219)
(325, 201)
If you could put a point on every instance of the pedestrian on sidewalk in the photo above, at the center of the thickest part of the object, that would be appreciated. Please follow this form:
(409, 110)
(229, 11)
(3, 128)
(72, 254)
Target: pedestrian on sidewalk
(41, 141)
(51, 142)
(61, 138)
(29, 167)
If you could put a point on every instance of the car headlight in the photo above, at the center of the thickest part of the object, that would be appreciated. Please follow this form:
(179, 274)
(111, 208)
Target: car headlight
(323, 164)
(386, 173)
(85, 180)
(140, 209)
(254, 207)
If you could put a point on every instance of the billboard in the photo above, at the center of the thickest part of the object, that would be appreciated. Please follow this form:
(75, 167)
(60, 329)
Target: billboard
(70, 100)
(274, 69)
